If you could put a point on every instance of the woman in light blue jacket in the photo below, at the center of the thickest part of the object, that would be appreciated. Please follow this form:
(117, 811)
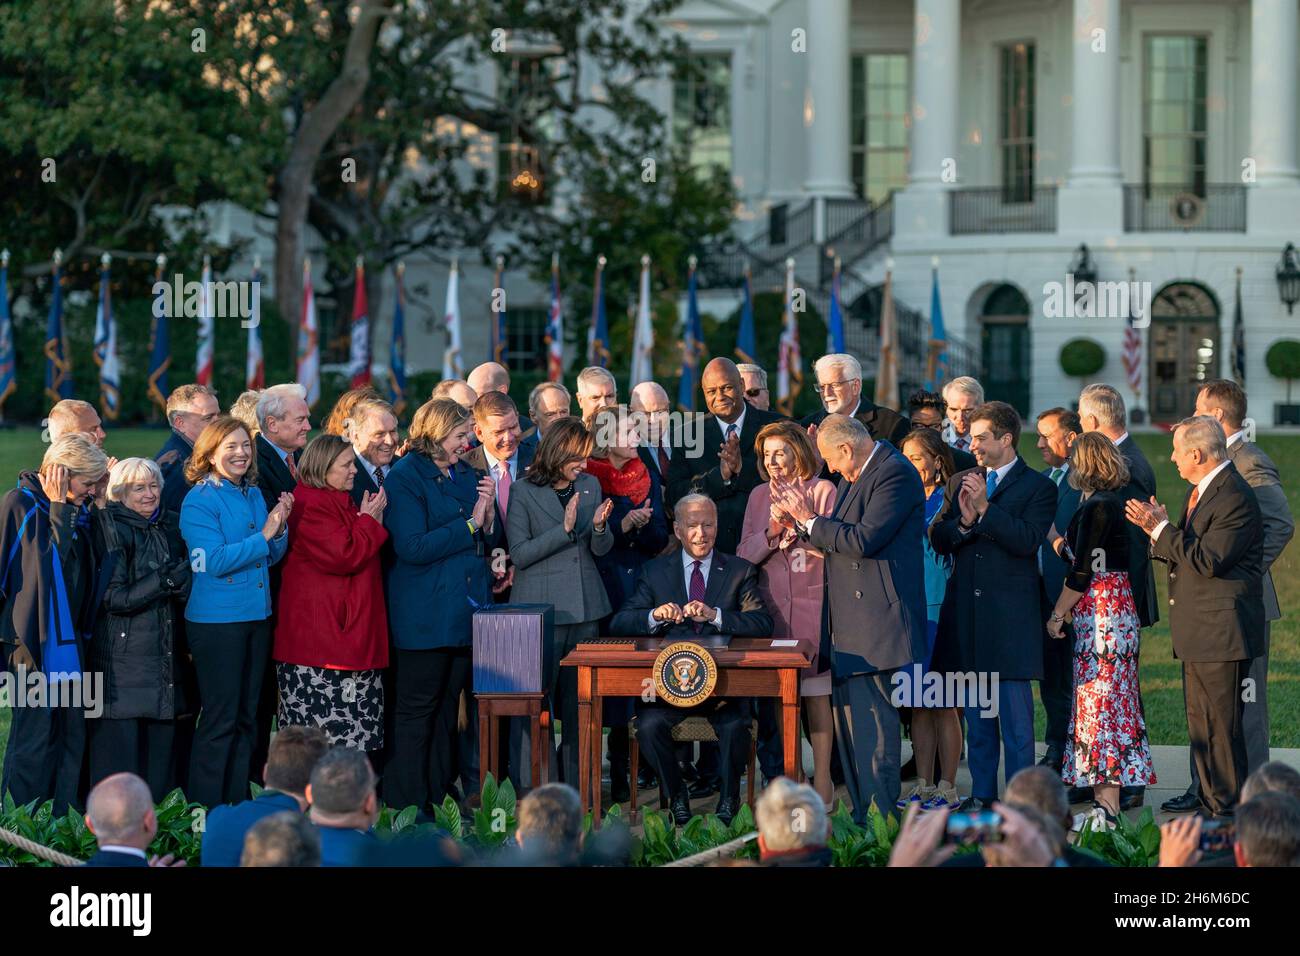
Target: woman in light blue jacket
(232, 542)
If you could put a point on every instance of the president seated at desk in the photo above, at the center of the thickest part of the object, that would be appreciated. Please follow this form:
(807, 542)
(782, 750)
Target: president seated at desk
(688, 595)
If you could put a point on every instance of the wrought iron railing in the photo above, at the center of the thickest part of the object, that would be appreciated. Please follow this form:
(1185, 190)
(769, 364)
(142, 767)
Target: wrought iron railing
(1207, 207)
(995, 209)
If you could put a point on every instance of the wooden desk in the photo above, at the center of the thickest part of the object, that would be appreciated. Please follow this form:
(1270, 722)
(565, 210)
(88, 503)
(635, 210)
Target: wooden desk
(749, 667)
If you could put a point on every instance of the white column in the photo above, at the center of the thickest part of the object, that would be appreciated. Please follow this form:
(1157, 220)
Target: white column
(1092, 200)
(826, 101)
(1273, 92)
(921, 210)
(936, 91)
(1095, 152)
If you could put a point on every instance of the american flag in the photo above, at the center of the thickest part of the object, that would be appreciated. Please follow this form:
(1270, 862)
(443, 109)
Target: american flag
(789, 369)
(1132, 357)
(555, 327)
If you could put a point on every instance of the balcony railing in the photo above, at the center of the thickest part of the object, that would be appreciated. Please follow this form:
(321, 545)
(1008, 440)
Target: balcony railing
(1204, 208)
(867, 226)
(995, 209)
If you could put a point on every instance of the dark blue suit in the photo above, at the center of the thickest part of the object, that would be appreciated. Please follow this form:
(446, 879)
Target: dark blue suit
(992, 613)
(873, 618)
(228, 824)
(343, 847)
(115, 858)
(172, 458)
(1057, 686)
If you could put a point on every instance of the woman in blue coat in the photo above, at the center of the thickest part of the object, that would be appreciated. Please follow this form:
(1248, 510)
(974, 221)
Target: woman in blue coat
(440, 521)
(232, 541)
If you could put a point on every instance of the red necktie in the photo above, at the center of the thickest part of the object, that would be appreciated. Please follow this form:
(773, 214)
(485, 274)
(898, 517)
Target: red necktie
(663, 462)
(293, 466)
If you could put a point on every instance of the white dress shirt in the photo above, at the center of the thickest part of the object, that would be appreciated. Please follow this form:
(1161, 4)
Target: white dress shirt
(494, 469)
(364, 462)
(1238, 435)
(1001, 472)
(1201, 486)
(688, 563)
(1121, 439)
(129, 850)
(739, 423)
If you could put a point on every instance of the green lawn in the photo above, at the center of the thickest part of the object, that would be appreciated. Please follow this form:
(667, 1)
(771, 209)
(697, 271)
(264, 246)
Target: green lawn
(1161, 687)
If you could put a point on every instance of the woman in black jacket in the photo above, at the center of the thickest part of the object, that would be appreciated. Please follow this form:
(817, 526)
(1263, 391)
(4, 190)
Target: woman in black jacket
(139, 638)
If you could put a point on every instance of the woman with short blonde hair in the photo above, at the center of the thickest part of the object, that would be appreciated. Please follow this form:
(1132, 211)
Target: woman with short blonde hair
(433, 424)
(1106, 744)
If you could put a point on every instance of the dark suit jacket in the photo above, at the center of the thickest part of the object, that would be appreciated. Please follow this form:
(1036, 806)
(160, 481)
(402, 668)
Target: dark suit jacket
(703, 474)
(732, 587)
(962, 460)
(342, 847)
(1054, 569)
(650, 458)
(884, 424)
(991, 614)
(364, 483)
(228, 824)
(873, 617)
(476, 458)
(273, 476)
(1261, 474)
(114, 858)
(1141, 485)
(172, 458)
(1216, 571)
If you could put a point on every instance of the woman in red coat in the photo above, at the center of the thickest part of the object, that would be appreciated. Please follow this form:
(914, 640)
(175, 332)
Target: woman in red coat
(331, 631)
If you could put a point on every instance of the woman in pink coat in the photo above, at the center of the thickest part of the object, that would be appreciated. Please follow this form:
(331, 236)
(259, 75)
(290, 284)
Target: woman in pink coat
(790, 573)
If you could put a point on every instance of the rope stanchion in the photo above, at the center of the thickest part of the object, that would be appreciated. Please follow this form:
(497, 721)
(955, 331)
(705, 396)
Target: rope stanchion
(716, 853)
(36, 849)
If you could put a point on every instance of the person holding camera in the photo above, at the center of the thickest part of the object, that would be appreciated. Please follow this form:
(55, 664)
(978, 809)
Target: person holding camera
(1106, 742)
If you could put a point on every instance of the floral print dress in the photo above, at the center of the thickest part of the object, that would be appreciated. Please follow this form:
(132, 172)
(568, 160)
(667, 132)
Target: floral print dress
(1107, 738)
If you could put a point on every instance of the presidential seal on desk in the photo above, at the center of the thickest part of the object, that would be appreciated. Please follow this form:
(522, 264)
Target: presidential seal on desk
(685, 674)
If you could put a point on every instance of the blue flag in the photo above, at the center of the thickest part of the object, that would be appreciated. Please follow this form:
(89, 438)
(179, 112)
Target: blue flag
(746, 340)
(58, 371)
(692, 345)
(397, 354)
(160, 348)
(835, 330)
(936, 372)
(8, 360)
(598, 337)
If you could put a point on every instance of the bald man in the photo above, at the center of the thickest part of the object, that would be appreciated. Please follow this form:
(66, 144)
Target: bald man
(494, 377)
(650, 399)
(73, 415)
(457, 390)
(119, 811)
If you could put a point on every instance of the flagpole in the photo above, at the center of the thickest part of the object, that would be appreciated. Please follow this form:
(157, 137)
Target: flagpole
(7, 354)
(498, 332)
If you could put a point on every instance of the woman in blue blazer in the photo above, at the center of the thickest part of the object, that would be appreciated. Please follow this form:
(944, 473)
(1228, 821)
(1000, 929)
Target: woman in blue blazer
(232, 542)
(440, 522)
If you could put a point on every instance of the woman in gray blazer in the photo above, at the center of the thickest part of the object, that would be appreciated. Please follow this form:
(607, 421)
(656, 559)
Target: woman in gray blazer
(556, 526)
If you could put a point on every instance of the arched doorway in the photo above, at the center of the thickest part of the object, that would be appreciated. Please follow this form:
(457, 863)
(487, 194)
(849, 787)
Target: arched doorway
(1004, 346)
(1184, 348)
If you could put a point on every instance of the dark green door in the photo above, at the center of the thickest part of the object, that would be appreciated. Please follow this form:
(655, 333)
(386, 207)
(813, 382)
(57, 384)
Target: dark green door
(1006, 360)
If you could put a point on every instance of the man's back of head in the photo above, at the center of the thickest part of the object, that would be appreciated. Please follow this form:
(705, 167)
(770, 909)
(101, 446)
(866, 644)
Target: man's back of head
(550, 825)
(293, 753)
(1273, 776)
(1268, 831)
(342, 788)
(1042, 789)
(790, 817)
(282, 839)
(119, 811)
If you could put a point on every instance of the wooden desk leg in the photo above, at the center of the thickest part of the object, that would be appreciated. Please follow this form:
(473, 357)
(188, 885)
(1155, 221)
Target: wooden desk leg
(584, 736)
(790, 720)
(597, 722)
(484, 744)
(535, 742)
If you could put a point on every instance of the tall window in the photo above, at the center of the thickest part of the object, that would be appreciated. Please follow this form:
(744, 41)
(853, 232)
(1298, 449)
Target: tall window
(1174, 114)
(522, 87)
(702, 109)
(525, 336)
(878, 100)
(1016, 122)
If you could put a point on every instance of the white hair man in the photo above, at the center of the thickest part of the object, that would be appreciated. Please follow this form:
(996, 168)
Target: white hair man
(285, 421)
(839, 383)
(372, 430)
(547, 404)
(190, 409)
(651, 401)
(1215, 554)
(792, 825)
(596, 390)
(754, 380)
(962, 395)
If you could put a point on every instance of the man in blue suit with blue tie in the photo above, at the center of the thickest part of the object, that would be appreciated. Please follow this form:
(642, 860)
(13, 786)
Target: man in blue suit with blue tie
(993, 521)
(873, 617)
(1057, 428)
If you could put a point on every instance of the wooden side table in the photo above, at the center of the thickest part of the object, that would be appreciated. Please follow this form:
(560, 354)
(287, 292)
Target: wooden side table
(492, 708)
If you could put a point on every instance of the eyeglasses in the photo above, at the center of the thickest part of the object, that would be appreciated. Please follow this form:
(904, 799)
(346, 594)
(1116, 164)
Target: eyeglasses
(827, 387)
(754, 392)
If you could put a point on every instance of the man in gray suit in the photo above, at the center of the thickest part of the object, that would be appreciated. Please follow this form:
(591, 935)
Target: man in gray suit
(1225, 401)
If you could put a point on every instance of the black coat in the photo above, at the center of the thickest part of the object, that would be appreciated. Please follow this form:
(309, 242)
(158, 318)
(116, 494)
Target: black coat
(273, 478)
(883, 424)
(1054, 567)
(991, 620)
(31, 532)
(172, 459)
(1216, 573)
(139, 640)
(732, 587)
(703, 473)
(1141, 485)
